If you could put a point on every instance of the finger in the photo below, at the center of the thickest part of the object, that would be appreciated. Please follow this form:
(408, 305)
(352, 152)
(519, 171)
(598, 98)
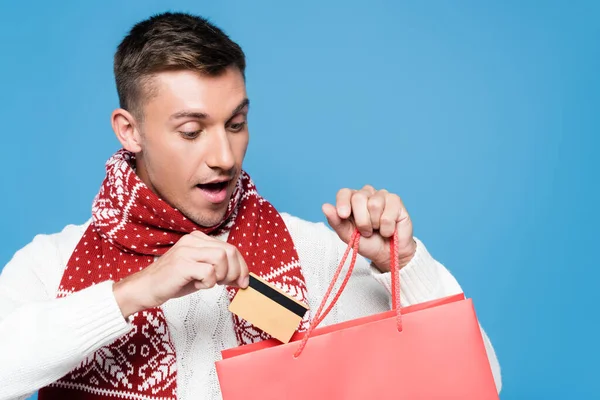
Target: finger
(199, 234)
(404, 228)
(230, 267)
(369, 189)
(188, 289)
(375, 206)
(202, 274)
(195, 238)
(198, 238)
(243, 278)
(390, 215)
(234, 267)
(216, 255)
(360, 213)
(343, 204)
(343, 227)
(232, 270)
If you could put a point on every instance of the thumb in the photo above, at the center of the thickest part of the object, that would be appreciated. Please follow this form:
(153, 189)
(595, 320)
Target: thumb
(342, 227)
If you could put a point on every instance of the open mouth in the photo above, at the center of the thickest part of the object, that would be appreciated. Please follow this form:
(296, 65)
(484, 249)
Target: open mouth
(214, 192)
(213, 187)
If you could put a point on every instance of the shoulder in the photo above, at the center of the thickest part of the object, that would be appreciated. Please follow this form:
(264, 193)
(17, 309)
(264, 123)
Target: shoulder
(36, 268)
(48, 250)
(57, 244)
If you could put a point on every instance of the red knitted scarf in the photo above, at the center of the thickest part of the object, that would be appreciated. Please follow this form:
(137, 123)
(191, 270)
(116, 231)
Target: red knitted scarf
(130, 227)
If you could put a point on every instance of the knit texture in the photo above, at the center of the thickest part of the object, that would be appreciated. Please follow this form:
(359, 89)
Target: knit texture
(130, 227)
(44, 337)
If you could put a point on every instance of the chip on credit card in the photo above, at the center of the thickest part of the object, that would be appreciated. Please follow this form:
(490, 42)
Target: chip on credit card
(268, 308)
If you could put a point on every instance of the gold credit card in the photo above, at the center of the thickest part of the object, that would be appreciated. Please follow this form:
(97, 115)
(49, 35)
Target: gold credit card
(268, 308)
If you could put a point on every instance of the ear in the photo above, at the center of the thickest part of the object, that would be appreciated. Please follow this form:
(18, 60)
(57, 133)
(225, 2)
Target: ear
(126, 128)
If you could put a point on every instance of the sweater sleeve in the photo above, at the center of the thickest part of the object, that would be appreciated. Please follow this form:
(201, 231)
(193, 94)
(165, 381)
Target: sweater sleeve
(424, 279)
(41, 337)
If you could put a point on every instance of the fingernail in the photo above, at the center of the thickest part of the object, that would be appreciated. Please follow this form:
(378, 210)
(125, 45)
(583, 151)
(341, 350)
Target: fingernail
(344, 211)
(246, 282)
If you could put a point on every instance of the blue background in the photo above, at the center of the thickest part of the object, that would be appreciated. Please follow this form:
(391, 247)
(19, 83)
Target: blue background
(481, 116)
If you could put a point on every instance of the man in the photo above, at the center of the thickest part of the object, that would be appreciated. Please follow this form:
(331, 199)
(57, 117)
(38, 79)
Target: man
(134, 302)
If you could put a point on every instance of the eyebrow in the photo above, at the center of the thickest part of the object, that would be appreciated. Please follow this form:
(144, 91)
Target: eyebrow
(199, 115)
(243, 104)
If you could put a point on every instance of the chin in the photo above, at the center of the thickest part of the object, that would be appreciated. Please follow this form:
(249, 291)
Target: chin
(207, 218)
(202, 212)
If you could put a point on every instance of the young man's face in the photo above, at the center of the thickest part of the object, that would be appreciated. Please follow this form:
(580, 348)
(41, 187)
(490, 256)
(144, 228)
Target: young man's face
(193, 140)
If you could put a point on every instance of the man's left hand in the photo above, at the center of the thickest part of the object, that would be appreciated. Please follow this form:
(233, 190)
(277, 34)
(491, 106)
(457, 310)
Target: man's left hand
(376, 214)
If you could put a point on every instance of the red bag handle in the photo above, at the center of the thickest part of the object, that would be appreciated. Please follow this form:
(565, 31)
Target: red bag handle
(353, 245)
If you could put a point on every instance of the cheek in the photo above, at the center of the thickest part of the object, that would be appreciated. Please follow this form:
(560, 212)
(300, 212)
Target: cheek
(169, 164)
(240, 145)
(172, 177)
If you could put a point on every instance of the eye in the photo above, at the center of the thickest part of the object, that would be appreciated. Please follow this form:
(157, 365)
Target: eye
(191, 135)
(237, 127)
(237, 123)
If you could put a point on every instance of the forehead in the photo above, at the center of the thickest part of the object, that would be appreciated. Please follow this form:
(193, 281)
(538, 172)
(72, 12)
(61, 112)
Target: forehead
(173, 91)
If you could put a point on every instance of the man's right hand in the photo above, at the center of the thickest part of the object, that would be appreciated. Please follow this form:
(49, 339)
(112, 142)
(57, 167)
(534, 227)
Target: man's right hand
(197, 261)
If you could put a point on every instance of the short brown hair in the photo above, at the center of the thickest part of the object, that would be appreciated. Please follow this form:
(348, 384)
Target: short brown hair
(166, 42)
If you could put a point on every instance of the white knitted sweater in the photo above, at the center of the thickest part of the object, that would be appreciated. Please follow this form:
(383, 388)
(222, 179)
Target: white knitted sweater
(42, 338)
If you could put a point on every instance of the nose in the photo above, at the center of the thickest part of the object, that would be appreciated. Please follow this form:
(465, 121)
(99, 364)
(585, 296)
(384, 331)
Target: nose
(219, 153)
